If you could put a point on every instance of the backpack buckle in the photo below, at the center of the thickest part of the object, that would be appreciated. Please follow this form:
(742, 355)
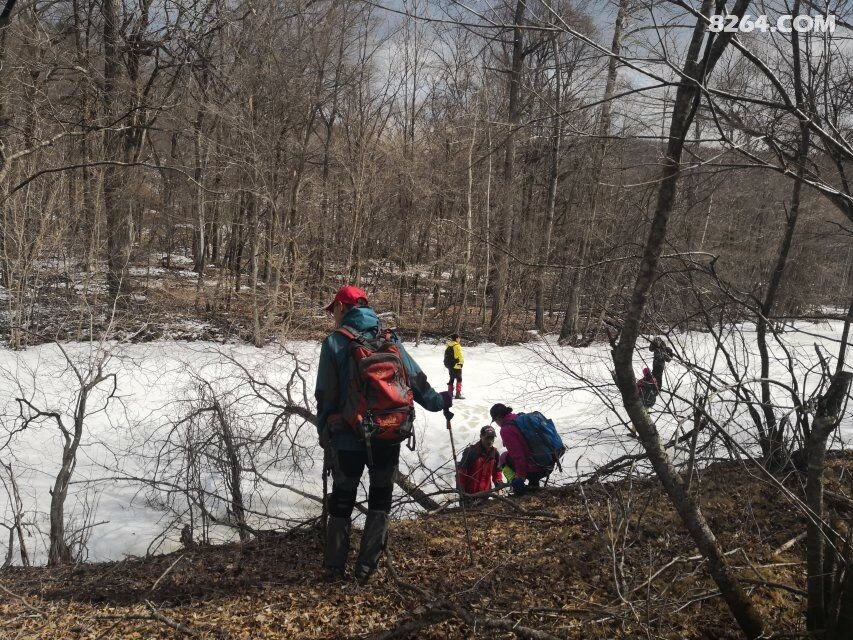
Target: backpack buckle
(369, 426)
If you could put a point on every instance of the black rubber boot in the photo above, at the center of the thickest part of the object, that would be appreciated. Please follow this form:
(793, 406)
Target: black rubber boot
(372, 544)
(337, 548)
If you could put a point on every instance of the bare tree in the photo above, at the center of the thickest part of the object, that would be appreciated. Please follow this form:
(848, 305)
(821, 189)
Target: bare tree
(698, 66)
(507, 215)
(16, 528)
(89, 376)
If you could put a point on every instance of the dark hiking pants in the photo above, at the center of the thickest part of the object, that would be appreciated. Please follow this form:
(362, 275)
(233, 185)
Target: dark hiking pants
(535, 477)
(347, 469)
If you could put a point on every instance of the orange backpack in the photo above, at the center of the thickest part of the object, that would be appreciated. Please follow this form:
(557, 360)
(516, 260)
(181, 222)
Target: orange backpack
(379, 403)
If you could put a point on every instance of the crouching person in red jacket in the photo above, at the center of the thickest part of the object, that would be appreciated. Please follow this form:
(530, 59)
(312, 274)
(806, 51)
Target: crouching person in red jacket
(479, 468)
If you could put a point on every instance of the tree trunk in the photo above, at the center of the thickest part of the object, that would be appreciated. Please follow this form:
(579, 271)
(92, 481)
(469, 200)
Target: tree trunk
(320, 275)
(551, 200)
(254, 243)
(415, 492)
(469, 230)
(488, 212)
(826, 420)
(499, 291)
(610, 86)
(59, 551)
(696, 70)
(569, 327)
(772, 439)
(117, 210)
(17, 527)
(233, 473)
(199, 237)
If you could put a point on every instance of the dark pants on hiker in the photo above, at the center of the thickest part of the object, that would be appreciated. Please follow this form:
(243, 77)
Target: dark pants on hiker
(455, 376)
(535, 477)
(347, 469)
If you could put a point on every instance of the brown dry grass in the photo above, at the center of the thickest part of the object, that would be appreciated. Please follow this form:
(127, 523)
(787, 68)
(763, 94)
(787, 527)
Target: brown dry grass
(554, 568)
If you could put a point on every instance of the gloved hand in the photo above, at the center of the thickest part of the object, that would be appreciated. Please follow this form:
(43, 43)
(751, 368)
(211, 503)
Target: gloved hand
(324, 437)
(447, 397)
(518, 486)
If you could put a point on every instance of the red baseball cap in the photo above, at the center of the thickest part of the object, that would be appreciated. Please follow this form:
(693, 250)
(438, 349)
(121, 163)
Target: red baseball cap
(348, 295)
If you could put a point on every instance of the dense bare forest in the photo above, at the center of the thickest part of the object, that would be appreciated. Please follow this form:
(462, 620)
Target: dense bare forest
(471, 176)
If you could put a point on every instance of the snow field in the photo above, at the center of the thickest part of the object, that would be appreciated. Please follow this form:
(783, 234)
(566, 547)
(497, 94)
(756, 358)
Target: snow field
(155, 382)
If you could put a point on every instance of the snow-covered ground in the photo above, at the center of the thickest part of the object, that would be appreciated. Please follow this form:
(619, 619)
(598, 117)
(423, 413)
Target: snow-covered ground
(155, 383)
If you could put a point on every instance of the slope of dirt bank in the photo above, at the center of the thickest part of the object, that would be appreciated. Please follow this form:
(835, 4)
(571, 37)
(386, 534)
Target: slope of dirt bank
(597, 561)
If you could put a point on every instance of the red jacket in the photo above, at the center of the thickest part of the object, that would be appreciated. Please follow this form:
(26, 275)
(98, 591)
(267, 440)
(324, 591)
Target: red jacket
(478, 468)
(647, 380)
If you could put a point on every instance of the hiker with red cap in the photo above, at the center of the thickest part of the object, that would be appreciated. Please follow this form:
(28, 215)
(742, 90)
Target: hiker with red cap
(479, 468)
(366, 388)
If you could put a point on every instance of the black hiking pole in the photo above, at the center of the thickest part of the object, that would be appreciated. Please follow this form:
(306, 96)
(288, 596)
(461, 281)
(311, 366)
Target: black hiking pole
(449, 416)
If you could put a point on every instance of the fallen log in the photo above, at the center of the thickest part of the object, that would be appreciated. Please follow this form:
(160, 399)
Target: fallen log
(415, 492)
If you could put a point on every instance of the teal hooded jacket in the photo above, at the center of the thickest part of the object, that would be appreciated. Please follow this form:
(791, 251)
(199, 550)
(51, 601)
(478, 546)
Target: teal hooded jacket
(330, 390)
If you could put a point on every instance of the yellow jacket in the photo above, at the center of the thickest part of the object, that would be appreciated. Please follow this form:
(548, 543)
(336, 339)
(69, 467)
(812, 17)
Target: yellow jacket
(458, 357)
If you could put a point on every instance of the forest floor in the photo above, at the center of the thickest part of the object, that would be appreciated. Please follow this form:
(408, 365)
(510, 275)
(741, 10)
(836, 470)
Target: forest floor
(593, 561)
(172, 303)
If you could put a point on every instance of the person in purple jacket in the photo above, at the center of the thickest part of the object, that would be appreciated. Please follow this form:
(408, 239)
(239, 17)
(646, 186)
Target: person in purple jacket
(528, 474)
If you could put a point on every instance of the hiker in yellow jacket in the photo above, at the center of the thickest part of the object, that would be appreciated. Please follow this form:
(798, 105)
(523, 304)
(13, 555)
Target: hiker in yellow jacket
(453, 361)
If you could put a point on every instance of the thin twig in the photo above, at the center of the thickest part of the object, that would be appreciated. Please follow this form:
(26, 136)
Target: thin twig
(165, 573)
(790, 543)
(435, 602)
(177, 626)
(22, 600)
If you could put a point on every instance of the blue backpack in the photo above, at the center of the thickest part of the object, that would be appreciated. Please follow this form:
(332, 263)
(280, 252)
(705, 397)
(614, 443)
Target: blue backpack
(541, 435)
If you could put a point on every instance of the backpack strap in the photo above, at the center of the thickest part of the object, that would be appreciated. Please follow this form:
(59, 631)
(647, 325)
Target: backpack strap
(349, 332)
(362, 338)
(352, 335)
(468, 457)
